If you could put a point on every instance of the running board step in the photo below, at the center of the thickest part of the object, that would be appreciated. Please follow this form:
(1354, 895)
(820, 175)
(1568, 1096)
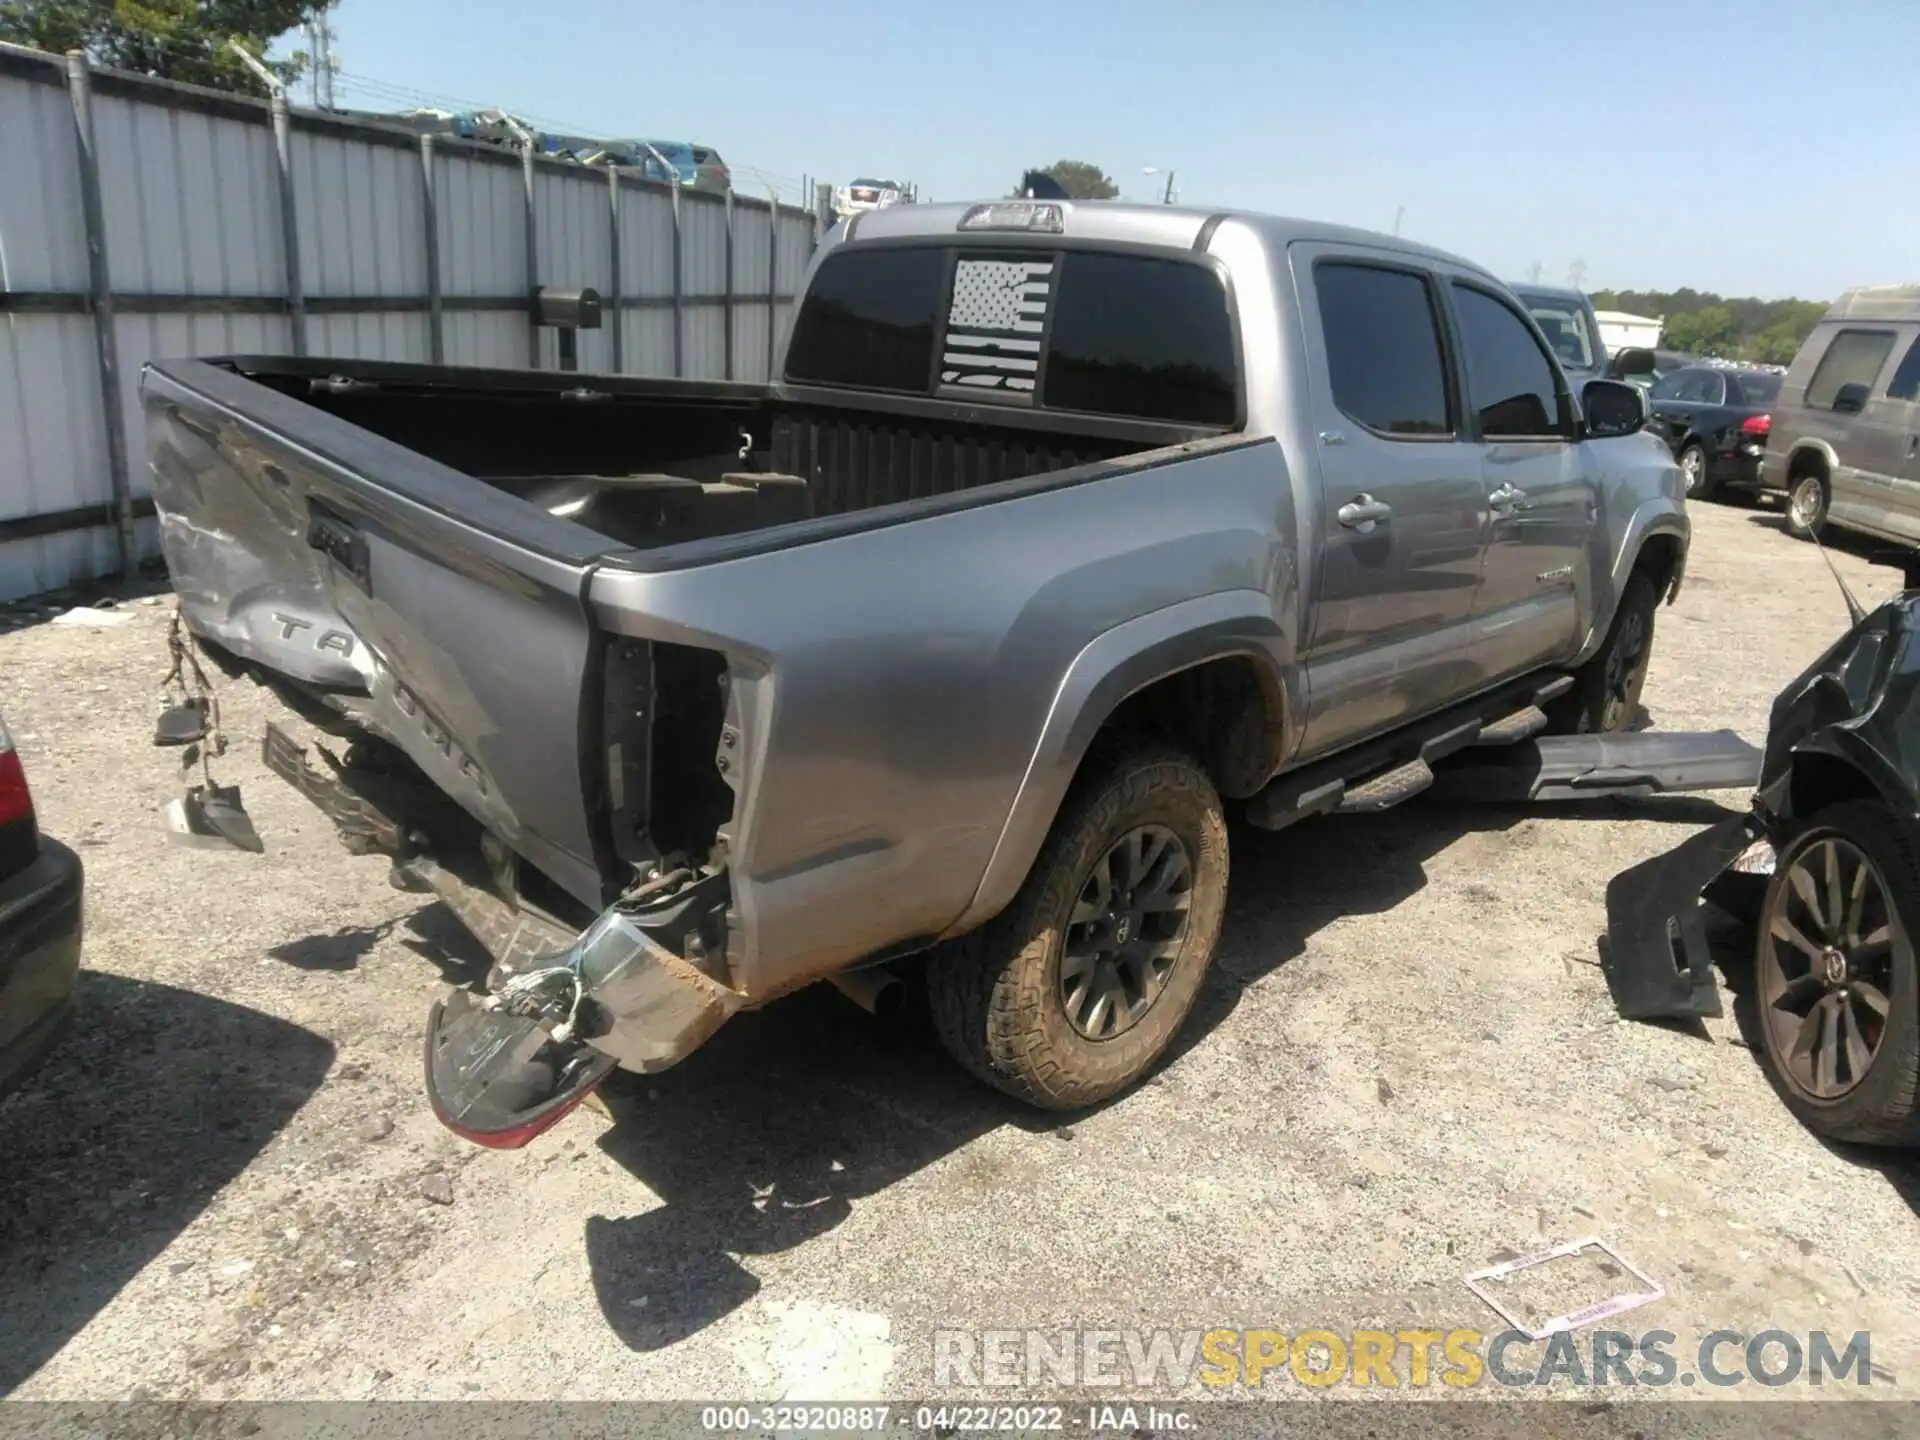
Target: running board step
(1576, 767)
(1520, 725)
(1380, 773)
(1385, 790)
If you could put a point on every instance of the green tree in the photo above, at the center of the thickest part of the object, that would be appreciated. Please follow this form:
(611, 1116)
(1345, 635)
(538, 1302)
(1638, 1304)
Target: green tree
(1080, 179)
(175, 39)
(1702, 332)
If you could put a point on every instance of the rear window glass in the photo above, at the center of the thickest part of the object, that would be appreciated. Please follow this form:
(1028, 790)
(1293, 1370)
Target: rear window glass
(1758, 389)
(868, 320)
(1120, 335)
(1854, 358)
(1134, 336)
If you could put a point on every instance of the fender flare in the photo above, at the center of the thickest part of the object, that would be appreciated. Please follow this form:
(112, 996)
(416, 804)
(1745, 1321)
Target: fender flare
(1651, 520)
(1112, 666)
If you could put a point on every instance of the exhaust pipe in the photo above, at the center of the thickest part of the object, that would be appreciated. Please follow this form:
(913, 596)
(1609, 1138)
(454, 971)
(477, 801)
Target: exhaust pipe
(875, 989)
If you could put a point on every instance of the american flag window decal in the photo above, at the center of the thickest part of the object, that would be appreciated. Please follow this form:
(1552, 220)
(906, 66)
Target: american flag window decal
(994, 326)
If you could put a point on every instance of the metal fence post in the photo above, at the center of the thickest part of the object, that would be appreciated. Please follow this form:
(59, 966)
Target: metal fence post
(773, 275)
(436, 316)
(100, 290)
(613, 264)
(289, 224)
(679, 366)
(727, 339)
(533, 258)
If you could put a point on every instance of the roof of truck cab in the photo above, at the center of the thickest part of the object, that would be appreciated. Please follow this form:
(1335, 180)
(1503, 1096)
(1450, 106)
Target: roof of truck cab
(1548, 292)
(1877, 302)
(1173, 226)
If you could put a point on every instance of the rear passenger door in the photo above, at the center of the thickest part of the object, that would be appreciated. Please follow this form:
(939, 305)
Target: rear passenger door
(1539, 497)
(1401, 504)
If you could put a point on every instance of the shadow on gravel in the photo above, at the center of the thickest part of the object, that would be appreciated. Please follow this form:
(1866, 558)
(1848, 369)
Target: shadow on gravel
(155, 1099)
(764, 1138)
(431, 932)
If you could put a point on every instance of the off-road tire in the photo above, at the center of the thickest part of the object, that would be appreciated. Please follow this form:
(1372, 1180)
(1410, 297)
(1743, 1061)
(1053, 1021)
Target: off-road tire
(1583, 710)
(994, 994)
(1884, 1107)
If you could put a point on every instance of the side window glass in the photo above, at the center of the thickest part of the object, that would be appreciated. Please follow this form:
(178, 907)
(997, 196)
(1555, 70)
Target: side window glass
(1511, 382)
(1905, 384)
(1713, 389)
(1383, 348)
(1854, 358)
(1667, 387)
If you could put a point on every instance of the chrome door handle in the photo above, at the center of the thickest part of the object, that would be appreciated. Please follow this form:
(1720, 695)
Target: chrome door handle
(1506, 500)
(1363, 512)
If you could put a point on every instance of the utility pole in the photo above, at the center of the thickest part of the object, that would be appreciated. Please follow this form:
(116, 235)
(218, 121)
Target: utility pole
(1533, 275)
(320, 39)
(1399, 214)
(1577, 274)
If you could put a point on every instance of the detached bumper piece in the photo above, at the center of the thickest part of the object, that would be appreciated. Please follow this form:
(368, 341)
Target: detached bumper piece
(1657, 960)
(1580, 767)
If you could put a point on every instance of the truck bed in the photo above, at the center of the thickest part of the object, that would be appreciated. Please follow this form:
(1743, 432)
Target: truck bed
(654, 463)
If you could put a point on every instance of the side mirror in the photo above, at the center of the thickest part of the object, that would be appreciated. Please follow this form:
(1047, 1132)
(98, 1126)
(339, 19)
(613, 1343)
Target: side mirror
(1612, 408)
(1850, 399)
(1630, 362)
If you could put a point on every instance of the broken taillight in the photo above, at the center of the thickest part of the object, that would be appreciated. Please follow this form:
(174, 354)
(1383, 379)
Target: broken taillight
(1757, 427)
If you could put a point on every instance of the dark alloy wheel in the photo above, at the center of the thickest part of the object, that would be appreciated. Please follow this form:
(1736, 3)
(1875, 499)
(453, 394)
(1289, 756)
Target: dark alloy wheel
(1605, 696)
(1834, 975)
(1626, 669)
(1826, 966)
(1125, 932)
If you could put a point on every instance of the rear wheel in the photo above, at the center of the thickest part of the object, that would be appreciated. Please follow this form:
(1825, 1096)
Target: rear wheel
(1071, 993)
(1806, 506)
(1606, 690)
(1693, 465)
(1835, 976)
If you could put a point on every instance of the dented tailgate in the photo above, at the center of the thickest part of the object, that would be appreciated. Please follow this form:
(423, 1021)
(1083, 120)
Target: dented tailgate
(447, 614)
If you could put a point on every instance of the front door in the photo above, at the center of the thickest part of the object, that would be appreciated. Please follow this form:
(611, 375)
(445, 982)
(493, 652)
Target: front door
(1402, 507)
(1539, 495)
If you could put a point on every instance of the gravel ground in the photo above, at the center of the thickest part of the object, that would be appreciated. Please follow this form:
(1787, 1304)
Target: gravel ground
(227, 1185)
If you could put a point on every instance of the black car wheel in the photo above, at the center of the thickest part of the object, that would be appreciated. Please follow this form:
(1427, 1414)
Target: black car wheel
(1606, 690)
(1693, 465)
(1806, 506)
(1071, 993)
(1835, 976)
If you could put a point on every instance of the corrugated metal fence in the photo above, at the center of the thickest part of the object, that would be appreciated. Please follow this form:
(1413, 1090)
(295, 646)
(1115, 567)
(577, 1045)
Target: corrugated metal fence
(142, 219)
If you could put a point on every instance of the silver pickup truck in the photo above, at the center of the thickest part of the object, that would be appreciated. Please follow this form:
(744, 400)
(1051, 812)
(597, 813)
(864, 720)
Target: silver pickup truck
(1062, 526)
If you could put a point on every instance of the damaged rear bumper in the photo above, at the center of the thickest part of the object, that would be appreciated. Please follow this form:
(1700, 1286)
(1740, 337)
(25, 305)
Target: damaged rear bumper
(1658, 962)
(639, 1005)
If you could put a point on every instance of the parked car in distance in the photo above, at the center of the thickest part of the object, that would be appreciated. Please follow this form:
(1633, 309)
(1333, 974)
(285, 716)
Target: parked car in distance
(1565, 317)
(1716, 424)
(40, 888)
(695, 167)
(864, 195)
(1845, 445)
(709, 171)
(1274, 511)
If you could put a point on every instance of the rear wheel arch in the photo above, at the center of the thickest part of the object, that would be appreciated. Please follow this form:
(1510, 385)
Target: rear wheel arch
(1228, 712)
(1135, 691)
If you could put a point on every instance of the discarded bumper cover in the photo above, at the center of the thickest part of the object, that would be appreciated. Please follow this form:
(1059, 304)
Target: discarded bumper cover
(1844, 725)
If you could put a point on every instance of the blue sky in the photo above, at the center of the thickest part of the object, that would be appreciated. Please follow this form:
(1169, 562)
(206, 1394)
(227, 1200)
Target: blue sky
(1763, 147)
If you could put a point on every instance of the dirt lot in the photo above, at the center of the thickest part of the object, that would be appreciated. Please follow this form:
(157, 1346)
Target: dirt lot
(227, 1185)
